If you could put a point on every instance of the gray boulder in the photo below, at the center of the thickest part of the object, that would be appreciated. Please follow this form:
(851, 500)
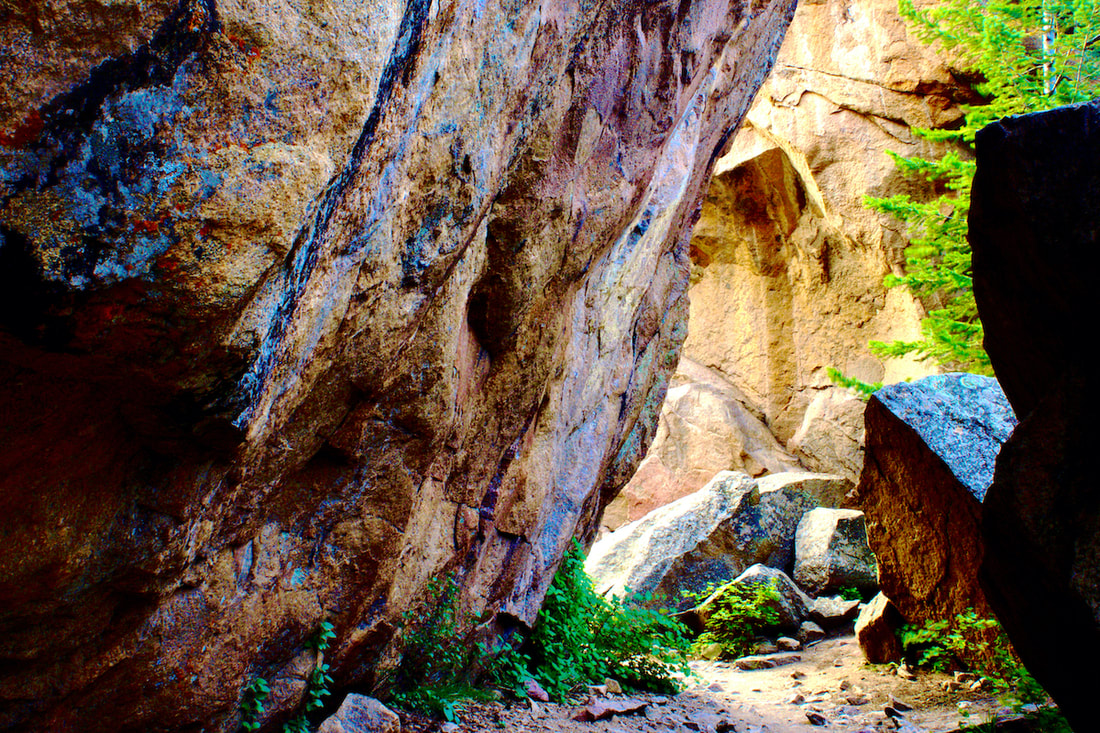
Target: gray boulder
(361, 714)
(831, 552)
(832, 611)
(875, 631)
(712, 536)
(791, 604)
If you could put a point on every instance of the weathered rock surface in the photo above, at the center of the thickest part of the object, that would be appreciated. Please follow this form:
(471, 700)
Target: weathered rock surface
(830, 438)
(831, 552)
(833, 611)
(303, 305)
(1035, 230)
(705, 427)
(875, 631)
(711, 536)
(788, 261)
(930, 451)
(361, 714)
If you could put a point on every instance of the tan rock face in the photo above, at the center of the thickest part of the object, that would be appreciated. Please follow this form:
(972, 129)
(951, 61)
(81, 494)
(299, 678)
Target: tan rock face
(789, 262)
(705, 428)
(301, 306)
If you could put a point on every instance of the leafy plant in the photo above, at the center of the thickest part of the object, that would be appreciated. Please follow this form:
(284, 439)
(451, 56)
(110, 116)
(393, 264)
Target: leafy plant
(736, 614)
(317, 688)
(969, 640)
(849, 593)
(1029, 55)
(582, 637)
(863, 390)
(252, 704)
(431, 678)
(317, 685)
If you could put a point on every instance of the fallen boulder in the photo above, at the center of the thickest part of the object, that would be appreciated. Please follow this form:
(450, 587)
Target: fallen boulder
(831, 552)
(1035, 232)
(361, 714)
(930, 451)
(876, 631)
(712, 536)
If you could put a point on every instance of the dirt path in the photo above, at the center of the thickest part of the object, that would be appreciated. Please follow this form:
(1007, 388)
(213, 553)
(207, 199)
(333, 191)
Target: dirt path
(831, 678)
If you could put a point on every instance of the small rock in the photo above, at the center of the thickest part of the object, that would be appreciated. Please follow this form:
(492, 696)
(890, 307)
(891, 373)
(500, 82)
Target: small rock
(875, 629)
(711, 651)
(359, 714)
(767, 647)
(977, 685)
(613, 686)
(905, 673)
(795, 700)
(857, 699)
(788, 644)
(597, 690)
(450, 728)
(767, 661)
(809, 631)
(816, 718)
(606, 708)
(965, 677)
(716, 687)
(901, 705)
(893, 712)
(534, 690)
(845, 685)
(796, 675)
(950, 686)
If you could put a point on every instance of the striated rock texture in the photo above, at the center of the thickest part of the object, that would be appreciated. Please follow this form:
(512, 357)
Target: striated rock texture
(931, 447)
(302, 305)
(1035, 230)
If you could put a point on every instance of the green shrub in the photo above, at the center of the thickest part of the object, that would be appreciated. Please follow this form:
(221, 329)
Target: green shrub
(736, 614)
(971, 641)
(432, 676)
(317, 688)
(582, 637)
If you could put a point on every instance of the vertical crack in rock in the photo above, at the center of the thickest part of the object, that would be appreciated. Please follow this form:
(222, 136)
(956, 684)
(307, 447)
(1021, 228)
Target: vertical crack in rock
(300, 263)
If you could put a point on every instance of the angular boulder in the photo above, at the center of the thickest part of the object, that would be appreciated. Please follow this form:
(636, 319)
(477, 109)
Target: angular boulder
(830, 438)
(1035, 230)
(791, 605)
(361, 714)
(876, 631)
(711, 536)
(831, 552)
(930, 451)
(705, 427)
(303, 305)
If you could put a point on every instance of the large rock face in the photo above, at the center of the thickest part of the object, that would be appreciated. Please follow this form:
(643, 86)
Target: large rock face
(931, 447)
(1035, 230)
(302, 305)
(788, 263)
(704, 428)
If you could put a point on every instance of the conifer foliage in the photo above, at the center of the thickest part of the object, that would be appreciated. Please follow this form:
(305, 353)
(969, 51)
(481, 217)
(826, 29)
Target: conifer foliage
(1029, 56)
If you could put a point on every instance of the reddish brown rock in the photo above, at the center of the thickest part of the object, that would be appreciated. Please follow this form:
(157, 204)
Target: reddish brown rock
(1035, 230)
(301, 306)
(930, 451)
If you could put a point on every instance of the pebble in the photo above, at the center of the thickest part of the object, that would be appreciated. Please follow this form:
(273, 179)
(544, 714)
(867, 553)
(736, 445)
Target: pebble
(905, 673)
(795, 700)
(613, 686)
(901, 705)
(857, 699)
(788, 644)
(816, 718)
(964, 677)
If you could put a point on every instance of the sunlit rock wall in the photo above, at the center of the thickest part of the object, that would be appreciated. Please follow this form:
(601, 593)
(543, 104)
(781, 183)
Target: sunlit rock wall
(303, 305)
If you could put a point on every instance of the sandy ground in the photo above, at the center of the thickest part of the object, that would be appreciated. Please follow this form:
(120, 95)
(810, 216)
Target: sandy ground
(832, 679)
